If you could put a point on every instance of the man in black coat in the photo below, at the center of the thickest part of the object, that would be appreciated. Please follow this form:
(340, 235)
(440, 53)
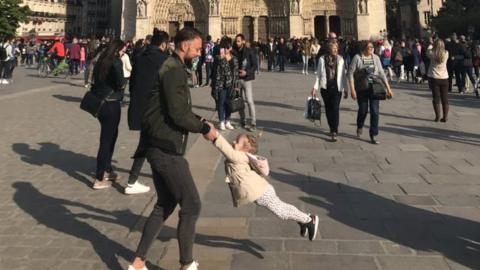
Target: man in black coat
(282, 51)
(142, 82)
(270, 51)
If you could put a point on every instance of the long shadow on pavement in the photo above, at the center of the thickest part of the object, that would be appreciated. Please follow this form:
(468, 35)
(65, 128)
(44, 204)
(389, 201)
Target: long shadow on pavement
(455, 238)
(433, 133)
(75, 165)
(53, 213)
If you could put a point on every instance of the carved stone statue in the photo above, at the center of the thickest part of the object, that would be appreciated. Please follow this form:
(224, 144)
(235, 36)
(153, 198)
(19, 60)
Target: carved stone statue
(141, 8)
(213, 7)
(362, 7)
(295, 7)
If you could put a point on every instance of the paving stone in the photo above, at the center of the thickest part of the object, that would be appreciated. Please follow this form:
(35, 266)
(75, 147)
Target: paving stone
(393, 248)
(470, 170)
(439, 169)
(277, 261)
(359, 177)
(360, 247)
(409, 262)
(412, 147)
(317, 246)
(352, 229)
(398, 178)
(458, 200)
(415, 200)
(307, 261)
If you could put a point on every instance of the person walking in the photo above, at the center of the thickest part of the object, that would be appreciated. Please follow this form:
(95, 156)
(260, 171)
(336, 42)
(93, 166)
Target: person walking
(226, 82)
(332, 82)
(282, 54)
(7, 61)
(31, 50)
(108, 78)
(127, 68)
(247, 67)
(74, 57)
(438, 78)
(209, 58)
(386, 57)
(315, 49)
(306, 48)
(142, 84)
(166, 124)
(467, 70)
(361, 74)
(270, 52)
(82, 58)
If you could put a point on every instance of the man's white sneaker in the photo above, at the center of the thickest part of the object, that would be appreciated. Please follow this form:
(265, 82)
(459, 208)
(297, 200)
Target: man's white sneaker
(222, 126)
(228, 125)
(303, 71)
(130, 267)
(193, 266)
(5, 81)
(136, 188)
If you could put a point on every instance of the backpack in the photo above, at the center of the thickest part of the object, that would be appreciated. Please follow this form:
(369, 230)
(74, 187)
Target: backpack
(259, 164)
(3, 53)
(387, 53)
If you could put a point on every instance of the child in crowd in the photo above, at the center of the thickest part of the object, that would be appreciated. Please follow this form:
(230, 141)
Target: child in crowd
(247, 185)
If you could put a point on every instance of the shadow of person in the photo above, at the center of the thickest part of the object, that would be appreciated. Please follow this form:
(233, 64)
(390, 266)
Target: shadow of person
(68, 98)
(54, 214)
(433, 133)
(75, 165)
(376, 217)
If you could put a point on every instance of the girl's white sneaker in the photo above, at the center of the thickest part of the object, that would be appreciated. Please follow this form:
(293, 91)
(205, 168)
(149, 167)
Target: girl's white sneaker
(193, 266)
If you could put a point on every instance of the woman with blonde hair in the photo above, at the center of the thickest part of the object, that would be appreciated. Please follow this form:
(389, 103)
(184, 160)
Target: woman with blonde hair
(438, 78)
(386, 57)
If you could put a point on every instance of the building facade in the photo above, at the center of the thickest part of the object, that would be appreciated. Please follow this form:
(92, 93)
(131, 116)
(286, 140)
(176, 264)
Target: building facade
(256, 19)
(48, 18)
(416, 15)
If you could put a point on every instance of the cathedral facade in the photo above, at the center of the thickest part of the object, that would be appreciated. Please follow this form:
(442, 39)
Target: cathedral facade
(256, 19)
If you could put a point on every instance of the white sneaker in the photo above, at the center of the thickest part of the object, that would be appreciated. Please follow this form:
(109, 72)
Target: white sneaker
(136, 188)
(228, 125)
(306, 73)
(193, 266)
(5, 81)
(130, 267)
(222, 126)
(303, 71)
(1, 81)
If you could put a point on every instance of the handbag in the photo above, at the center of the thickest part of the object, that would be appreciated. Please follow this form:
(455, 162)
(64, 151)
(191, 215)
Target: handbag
(377, 89)
(235, 103)
(259, 164)
(360, 77)
(91, 103)
(313, 109)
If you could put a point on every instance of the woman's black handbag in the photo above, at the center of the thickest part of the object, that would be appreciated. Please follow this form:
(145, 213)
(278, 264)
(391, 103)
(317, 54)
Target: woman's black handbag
(378, 91)
(360, 78)
(235, 103)
(91, 103)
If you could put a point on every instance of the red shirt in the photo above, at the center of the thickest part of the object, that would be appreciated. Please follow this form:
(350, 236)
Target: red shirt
(58, 48)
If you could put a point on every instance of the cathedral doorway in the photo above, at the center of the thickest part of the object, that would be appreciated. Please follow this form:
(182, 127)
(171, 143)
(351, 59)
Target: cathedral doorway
(263, 27)
(247, 28)
(320, 27)
(173, 28)
(335, 25)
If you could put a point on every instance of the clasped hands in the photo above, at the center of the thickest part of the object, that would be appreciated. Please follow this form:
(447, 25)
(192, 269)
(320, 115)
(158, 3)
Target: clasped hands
(212, 134)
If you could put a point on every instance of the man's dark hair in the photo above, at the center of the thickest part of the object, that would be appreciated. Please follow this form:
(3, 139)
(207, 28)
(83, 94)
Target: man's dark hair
(148, 37)
(209, 38)
(241, 36)
(186, 34)
(160, 37)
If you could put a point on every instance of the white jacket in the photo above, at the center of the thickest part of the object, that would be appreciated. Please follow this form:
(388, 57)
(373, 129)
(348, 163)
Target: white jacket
(127, 67)
(321, 81)
(9, 49)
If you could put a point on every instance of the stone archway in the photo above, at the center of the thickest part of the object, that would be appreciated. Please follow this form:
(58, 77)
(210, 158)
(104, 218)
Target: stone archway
(172, 15)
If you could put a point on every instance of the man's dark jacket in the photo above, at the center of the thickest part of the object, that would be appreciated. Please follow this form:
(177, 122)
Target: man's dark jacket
(169, 117)
(142, 81)
(251, 65)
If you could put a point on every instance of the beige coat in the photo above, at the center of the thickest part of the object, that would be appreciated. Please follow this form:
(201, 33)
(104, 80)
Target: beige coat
(245, 184)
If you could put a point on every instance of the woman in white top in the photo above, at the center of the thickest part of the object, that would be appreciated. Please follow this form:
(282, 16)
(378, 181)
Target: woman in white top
(127, 67)
(332, 80)
(438, 78)
(314, 50)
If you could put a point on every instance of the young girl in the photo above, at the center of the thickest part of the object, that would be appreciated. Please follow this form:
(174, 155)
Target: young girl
(248, 186)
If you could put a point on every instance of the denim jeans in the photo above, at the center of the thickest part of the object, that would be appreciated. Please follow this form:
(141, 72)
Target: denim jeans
(365, 102)
(247, 92)
(223, 110)
(314, 58)
(305, 59)
(109, 117)
(174, 185)
(138, 161)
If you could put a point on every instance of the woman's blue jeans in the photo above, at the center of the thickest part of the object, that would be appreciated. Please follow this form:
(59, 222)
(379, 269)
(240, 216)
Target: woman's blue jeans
(223, 110)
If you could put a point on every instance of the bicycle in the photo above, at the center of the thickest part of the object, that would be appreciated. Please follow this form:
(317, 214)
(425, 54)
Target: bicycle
(45, 68)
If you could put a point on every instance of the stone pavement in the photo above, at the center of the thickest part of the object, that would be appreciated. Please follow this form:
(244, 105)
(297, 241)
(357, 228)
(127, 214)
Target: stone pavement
(409, 203)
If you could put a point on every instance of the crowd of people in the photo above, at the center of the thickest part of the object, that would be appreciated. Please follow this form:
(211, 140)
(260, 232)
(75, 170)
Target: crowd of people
(160, 70)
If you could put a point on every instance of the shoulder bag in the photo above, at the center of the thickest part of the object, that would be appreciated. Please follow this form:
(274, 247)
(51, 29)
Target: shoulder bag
(92, 104)
(235, 103)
